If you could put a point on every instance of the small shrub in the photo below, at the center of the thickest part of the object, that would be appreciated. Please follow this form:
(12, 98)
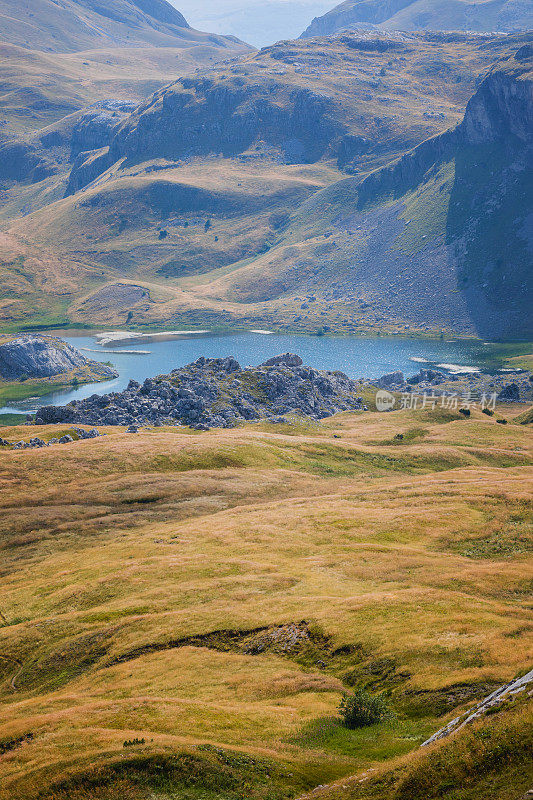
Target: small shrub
(23, 378)
(488, 412)
(132, 742)
(360, 708)
(465, 412)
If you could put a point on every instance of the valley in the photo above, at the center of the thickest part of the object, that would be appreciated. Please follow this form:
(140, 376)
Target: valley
(278, 223)
(266, 400)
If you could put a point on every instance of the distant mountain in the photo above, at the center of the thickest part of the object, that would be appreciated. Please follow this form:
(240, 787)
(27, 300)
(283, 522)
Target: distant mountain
(293, 188)
(66, 26)
(412, 15)
(57, 56)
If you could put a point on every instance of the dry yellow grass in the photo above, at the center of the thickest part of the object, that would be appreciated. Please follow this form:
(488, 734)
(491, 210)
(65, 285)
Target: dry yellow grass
(415, 556)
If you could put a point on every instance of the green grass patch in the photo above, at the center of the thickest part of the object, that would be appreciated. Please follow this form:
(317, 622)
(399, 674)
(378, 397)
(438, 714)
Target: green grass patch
(377, 742)
(205, 773)
(9, 420)
(509, 542)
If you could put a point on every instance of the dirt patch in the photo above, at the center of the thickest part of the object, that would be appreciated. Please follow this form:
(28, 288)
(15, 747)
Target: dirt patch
(296, 639)
(117, 297)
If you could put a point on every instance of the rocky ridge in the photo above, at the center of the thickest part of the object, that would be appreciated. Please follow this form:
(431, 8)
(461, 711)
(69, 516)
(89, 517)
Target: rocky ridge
(408, 15)
(216, 393)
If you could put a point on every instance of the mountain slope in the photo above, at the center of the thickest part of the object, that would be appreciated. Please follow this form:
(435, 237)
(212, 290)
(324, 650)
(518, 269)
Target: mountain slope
(181, 612)
(224, 195)
(57, 56)
(411, 15)
(67, 26)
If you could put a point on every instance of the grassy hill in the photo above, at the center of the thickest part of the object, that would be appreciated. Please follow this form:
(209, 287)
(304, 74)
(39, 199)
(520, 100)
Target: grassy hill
(181, 612)
(56, 58)
(76, 25)
(247, 213)
(414, 15)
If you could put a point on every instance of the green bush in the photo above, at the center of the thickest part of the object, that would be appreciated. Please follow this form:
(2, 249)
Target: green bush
(360, 708)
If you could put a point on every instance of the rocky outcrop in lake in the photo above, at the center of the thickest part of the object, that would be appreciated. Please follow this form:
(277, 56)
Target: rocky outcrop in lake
(34, 356)
(217, 393)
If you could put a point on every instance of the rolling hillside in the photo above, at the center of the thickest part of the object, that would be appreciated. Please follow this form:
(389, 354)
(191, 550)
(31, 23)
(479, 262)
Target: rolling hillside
(436, 15)
(182, 612)
(58, 57)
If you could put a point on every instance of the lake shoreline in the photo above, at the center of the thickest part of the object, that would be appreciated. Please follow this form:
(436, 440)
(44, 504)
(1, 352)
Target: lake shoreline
(362, 357)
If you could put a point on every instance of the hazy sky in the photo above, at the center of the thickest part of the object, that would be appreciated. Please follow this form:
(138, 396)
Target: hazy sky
(258, 22)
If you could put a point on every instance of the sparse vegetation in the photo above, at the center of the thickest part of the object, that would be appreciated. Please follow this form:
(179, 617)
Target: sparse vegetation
(361, 708)
(228, 589)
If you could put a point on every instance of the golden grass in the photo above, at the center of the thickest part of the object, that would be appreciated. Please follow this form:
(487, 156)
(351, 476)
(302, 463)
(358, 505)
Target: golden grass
(129, 542)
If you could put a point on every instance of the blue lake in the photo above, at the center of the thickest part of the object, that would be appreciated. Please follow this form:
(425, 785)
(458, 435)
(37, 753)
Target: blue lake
(358, 357)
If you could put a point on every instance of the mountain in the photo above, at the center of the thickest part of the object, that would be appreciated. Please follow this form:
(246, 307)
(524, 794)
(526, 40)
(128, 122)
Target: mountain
(67, 26)
(57, 56)
(250, 195)
(445, 232)
(412, 15)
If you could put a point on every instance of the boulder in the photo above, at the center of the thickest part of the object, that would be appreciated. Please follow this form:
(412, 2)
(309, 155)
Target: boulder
(286, 360)
(390, 381)
(432, 376)
(509, 393)
(51, 415)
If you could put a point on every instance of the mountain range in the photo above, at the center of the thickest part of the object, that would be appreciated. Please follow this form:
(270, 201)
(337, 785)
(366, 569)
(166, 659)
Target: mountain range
(413, 15)
(368, 181)
(57, 56)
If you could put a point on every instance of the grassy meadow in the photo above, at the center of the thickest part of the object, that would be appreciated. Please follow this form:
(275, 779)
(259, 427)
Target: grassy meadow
(181, 611)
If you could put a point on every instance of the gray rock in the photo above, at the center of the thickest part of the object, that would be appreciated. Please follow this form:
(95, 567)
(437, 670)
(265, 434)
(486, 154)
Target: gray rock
(43, 357)
(427, 376)
(391, 380)
(50, 415)
(287, 360)
(66, 439)
(217, 393)
(502, 695)
(509, 393)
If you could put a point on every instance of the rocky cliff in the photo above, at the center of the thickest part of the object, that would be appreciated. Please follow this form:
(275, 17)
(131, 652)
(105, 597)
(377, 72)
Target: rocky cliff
(47, 357)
